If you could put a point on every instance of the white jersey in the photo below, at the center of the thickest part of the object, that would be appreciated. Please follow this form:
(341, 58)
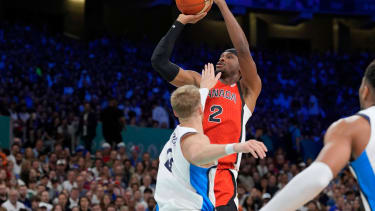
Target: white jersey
(363, 167)
(181, 185)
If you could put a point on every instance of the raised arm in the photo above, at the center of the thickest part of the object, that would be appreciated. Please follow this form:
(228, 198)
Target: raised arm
(309, 183)
(250, 78)
(161, 56)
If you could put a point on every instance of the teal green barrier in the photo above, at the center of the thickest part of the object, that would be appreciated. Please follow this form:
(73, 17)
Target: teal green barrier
(5, 129)
(149, 140)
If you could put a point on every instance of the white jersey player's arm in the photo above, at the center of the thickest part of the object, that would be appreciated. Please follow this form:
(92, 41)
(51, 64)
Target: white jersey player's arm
(197, 149)
(309, 183)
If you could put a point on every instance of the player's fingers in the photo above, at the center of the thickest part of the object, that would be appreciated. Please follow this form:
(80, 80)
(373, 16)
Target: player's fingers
(200, 16)
(260, 145)
(253, 153)
(212, 72)
(208, 70)
(260, 152)
(217, 76)
(263, 146)
(258, 149)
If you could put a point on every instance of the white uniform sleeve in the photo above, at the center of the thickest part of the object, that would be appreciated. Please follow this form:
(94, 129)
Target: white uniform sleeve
(301, 189)
(204, 94)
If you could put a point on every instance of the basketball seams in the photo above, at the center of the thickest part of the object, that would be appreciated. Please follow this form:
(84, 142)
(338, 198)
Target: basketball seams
(194, 7)
(207, 4)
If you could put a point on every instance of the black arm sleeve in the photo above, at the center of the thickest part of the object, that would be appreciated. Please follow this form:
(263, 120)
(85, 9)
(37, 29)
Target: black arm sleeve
(162, 53)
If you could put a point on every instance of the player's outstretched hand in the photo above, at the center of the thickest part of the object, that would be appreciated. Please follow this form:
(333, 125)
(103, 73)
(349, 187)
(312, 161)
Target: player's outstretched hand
(209, 79)
(185, 19)
(256, 148)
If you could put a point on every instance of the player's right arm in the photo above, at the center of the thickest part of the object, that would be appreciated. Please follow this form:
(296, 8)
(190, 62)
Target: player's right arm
(334, 156)
(161, 56)
(197, 149)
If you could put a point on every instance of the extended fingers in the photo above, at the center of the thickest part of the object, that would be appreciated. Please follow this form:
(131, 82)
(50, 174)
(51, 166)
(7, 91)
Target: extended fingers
(217, 76)
(209, 70)
(263, 146)
(212, 70)
(258, 149)
(252, 152)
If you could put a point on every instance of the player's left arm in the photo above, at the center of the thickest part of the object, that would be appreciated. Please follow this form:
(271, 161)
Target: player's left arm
(197, 149)
(309, 183)
(250, 78)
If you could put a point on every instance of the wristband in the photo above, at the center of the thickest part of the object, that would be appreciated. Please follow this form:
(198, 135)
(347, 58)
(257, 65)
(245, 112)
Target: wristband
(229, 149)
(178, 25)
(204, 93)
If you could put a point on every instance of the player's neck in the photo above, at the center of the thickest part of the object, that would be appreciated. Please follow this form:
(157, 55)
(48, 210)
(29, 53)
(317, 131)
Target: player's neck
(368, 104)
(229, 80)
(195, 123)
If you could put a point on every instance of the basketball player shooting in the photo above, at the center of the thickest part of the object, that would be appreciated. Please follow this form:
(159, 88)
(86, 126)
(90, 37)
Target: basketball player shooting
(351, 140)
(182, 183)
(230, 102)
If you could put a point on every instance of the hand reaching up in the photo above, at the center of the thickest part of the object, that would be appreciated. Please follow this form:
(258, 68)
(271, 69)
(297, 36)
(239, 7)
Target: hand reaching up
(209, 79)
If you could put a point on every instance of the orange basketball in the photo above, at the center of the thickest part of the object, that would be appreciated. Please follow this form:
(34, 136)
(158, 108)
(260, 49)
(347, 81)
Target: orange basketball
(193, 7)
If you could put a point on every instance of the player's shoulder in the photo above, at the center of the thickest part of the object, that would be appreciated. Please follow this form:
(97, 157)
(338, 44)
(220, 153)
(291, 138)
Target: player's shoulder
(350, 121)
(194, 136)
(349, 125)
(194, 139)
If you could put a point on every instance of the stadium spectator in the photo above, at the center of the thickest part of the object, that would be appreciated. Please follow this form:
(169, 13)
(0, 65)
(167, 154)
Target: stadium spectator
(87, 126)
(12, 203)
(74, 198)
(113, 122)
(160, 115)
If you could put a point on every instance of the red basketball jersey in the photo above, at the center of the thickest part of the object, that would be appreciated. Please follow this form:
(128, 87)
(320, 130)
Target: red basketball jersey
(225, 117)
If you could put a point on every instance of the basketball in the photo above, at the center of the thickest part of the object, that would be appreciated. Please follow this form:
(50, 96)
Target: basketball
(193, 7)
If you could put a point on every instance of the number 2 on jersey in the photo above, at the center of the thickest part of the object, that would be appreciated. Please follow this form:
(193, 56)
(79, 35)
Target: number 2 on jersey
(216, 110)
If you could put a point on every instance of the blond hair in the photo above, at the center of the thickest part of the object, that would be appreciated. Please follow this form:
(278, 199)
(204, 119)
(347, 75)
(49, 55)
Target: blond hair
(185, 100)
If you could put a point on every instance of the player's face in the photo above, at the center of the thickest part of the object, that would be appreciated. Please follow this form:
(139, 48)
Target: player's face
(228, 65)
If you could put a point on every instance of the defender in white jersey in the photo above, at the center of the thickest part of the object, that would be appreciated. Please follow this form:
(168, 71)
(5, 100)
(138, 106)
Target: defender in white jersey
(182, 182)
(349, 140)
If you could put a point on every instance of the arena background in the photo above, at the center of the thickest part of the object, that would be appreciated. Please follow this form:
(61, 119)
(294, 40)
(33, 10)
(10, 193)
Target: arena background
(55, 54)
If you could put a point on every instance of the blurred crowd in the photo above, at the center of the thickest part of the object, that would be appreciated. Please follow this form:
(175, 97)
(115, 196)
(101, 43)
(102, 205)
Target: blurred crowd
(109, 179)
(56, 90)
(299, 5)
(113, 180)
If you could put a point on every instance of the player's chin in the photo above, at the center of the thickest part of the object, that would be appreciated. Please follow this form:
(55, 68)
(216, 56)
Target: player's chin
(217, 71)
(222, 73)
